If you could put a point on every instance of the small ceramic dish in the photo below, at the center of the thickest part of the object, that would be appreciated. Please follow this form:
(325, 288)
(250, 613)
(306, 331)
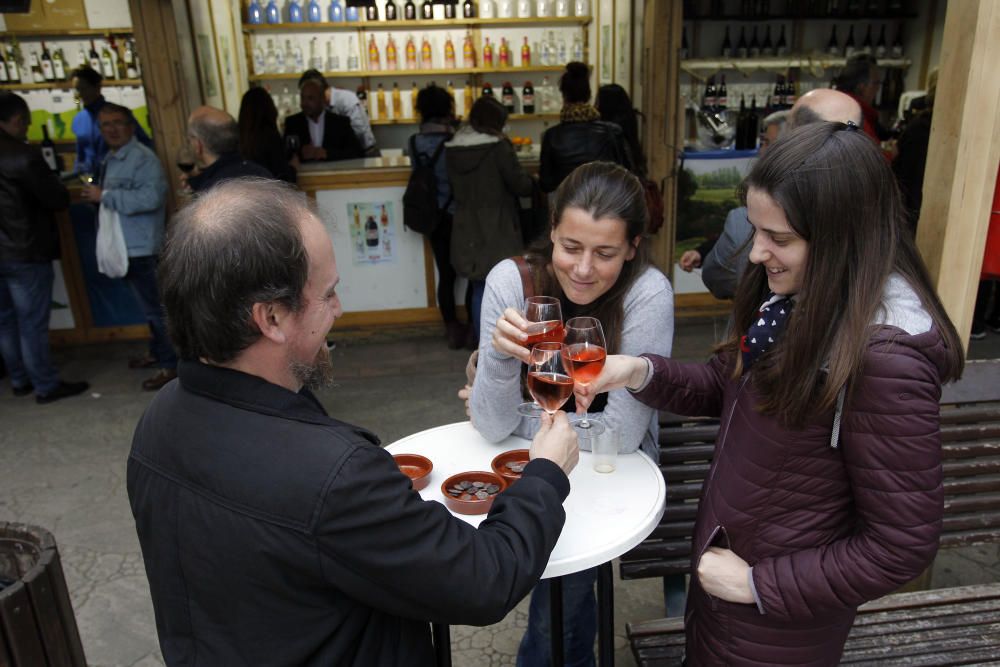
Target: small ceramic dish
(416, 467)
(510, 464)
(472, 492)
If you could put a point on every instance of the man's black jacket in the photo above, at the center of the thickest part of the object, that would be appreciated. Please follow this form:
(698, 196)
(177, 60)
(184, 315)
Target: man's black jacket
(273, 534)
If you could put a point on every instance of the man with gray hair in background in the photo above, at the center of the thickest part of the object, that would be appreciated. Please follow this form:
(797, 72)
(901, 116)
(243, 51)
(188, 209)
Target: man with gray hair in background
(272, 533)
(723, 266)
(214, 137)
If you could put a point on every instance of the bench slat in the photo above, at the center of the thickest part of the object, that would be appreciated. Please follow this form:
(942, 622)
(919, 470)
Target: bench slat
(964, 414)
(18, 624)
(965, 485)
(47, 616)
(972, 503)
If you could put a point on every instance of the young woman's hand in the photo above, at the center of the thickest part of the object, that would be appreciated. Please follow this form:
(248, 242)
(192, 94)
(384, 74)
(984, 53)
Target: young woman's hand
(619, 371)
(725, 575)
(510, 334)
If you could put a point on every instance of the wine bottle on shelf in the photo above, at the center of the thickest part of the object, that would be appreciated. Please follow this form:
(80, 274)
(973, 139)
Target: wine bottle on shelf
(336, 12)
(727, 45)
(849, 49)
(313, 12)
(449, 10)
(414, 92)
(297, 62)
(577, 48)
(391, 54)
(48, 72)
(107, 62)
(469, 93)
(410, 11)
(383, 110)
(722, 95)
(488, 54)
(866, 43)
(294, 11)
(897, 44)
(14, 63)
(315, 61)
(371, 12)
(353, 61)
(781, 48)
(708, 101)
(397, 101)
(131, 62)
(832, 45)
(468, 51)
(49, 149)
(854, 7)
(271, 59)
(255, 15)
(507, 96)
(426, 55)
(767, 48)
(449, 53)
(742, 51)
(330, 58)
(119, 55)
(487, 90)
(790, 93)
(411, 53)
(873, 7)
(487, 9)
(374, 61)
(95, 58)
(37, 76)
(427, 10)
(468, 10)
(272, 14)
(504, 53)
(741, 125)
(391, 13)
(754, 45)
(880, 47)
(833, 7)
(895, 7)
(528, 98)
(778, 97)
(525, 53)
(753, 120)
(351, 15)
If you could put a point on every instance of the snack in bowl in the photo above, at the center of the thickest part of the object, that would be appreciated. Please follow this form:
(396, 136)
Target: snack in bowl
(472, 492)
(416, 467)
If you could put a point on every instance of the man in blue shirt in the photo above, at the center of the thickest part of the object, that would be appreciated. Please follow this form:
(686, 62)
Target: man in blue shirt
(131, 182)
(90, 145)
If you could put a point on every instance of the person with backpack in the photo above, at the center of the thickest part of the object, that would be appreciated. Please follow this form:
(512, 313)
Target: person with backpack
(428, 205)
(486, 181)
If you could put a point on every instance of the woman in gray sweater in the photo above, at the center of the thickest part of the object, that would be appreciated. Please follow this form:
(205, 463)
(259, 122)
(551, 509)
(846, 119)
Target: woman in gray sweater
(595, 261)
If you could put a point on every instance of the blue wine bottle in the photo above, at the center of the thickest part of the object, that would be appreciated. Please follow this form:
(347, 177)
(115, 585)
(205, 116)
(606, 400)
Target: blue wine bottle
(255, 15)
(315, 13)
(294, 11)
(352, 13)
(336, 11)
(273, 15)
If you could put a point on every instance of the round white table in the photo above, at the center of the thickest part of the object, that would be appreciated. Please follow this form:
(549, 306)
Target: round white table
(606, 513)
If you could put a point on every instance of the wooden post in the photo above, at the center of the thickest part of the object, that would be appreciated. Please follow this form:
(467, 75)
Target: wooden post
(962, 156)
(156, 38)
(660, 104)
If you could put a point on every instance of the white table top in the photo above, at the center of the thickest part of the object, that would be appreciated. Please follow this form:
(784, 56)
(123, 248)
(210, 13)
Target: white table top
(606, 513)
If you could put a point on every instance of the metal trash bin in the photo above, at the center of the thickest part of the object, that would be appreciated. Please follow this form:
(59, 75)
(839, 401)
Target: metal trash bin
(37, 625)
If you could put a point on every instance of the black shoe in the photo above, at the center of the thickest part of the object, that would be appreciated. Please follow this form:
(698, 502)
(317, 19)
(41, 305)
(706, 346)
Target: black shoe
(163, 376)
(978, 331)
(23, 391)
(64, 390)
(993, 325)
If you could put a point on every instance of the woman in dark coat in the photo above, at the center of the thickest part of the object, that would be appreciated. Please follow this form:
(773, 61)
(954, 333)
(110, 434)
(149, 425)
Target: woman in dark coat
(486, 182)
(260, 140)
(581, 136)
(826, 487)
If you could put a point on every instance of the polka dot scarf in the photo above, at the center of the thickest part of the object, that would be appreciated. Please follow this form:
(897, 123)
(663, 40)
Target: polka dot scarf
(766, 329)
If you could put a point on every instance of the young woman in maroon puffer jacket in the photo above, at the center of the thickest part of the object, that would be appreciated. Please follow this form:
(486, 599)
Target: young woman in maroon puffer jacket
(826, 488)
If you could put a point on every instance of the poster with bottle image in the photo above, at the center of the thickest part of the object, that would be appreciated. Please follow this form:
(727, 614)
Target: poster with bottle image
(373, 231)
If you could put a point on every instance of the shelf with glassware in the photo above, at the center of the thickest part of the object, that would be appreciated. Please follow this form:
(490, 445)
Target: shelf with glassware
(65, 85)
(813, 63)
(403, 73)
(64, 34)
(416, 24)
(549, 117)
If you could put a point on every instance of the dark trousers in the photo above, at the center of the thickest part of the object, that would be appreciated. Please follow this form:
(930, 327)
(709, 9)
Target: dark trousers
(25, 303)
(440, 240)
(141, 277)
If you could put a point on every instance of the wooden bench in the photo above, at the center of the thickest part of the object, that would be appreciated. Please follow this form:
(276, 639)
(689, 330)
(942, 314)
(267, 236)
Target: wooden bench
(37, 626)
(970, 434)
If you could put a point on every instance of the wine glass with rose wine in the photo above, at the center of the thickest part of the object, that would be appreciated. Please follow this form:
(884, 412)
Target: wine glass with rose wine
(548, 382)
(545, 325)
(584, 353)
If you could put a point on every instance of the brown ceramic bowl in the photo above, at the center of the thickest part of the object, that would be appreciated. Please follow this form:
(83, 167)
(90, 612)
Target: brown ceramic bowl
(474, 505)
(500, 462)
(416, 467)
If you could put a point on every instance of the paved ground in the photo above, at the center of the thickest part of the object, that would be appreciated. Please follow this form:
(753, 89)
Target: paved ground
(64, 469)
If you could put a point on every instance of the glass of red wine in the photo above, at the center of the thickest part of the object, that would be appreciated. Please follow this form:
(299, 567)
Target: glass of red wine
(548, 382)
(584, 352)
(545, 325)
(185, 159)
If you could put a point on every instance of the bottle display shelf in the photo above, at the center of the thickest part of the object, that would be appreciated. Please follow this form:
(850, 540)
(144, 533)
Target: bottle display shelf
(324, 26)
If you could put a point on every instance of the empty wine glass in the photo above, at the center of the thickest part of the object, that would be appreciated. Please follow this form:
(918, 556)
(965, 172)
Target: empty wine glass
(292, 145)
(584, 352)
(544, 315)
(548, 382)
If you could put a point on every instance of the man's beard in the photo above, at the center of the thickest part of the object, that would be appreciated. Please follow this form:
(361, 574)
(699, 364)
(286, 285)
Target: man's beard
(315, 375)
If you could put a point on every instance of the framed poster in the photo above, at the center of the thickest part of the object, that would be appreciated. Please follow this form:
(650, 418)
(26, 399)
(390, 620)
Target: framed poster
(605, 41)
(623, 43)
(204, 43)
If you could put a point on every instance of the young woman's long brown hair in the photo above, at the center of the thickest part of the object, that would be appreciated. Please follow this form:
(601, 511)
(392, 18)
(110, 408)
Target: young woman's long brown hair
(838, 194)
(604, 190)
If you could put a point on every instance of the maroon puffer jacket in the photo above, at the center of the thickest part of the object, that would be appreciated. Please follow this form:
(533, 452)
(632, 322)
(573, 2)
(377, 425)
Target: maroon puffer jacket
(824, 528)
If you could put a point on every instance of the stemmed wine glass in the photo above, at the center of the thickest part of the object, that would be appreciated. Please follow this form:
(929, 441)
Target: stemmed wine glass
(292, 145)
(544, 315)
(584, 352)
(548, 382)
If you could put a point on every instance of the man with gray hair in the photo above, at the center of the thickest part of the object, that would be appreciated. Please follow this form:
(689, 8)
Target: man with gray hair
(271, 532)
(726, 262)
(214, 138)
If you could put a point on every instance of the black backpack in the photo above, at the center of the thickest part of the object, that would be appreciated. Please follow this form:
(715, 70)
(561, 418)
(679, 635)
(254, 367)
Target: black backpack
(421, 212)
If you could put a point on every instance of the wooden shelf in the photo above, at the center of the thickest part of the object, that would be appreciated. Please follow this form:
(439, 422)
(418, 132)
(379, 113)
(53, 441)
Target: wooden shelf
(511, 117)
(81, 32)
(420, 23)
(403, 73)
(710, 65)
(738, 18)
(67, 85)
